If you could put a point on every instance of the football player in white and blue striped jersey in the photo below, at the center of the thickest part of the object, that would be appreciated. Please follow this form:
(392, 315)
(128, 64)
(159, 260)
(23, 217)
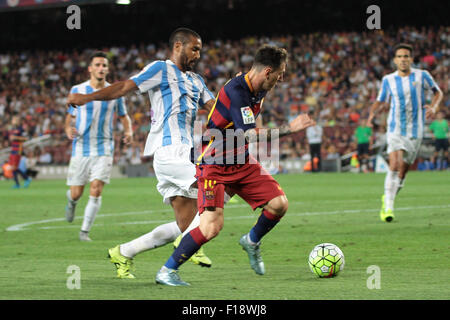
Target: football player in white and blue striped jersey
(93, 143)
(175, 93)
(406, 91)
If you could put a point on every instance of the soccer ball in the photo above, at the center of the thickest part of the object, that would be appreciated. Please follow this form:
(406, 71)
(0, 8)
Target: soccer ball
(326, 260)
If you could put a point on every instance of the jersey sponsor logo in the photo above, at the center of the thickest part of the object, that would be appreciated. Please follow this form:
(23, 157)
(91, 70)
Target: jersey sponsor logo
(247, 115)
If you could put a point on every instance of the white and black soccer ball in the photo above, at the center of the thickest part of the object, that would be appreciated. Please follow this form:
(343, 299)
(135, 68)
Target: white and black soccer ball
(326, 260)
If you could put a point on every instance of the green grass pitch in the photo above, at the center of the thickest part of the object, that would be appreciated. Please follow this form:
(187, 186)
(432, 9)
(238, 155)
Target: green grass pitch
(38, 246)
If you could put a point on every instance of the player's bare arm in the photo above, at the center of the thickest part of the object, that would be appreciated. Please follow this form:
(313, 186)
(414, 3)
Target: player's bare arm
(127, 129)
(434, 107)
(301, 122)
(375, 108)
(70, 130)
(114, 91)
(18, 138)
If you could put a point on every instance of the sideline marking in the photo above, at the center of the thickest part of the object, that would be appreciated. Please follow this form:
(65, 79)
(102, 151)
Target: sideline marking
(24, 226)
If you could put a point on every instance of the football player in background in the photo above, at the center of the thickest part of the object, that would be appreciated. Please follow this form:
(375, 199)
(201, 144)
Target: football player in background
(90, 127)
(17, 138)
(405, 88)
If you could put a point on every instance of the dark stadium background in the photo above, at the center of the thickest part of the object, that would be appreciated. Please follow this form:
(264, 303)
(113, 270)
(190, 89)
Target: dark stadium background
(106, 23)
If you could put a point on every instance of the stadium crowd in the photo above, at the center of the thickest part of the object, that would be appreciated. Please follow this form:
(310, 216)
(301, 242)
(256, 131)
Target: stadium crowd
(335, 76)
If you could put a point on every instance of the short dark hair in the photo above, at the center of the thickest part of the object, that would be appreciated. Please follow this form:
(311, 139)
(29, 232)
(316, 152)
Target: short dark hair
(403, 46)
(270, 56)
(183, 35)
(97, 54)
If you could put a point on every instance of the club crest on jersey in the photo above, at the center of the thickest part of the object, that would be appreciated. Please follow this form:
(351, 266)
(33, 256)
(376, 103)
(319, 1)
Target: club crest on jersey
(209, 195)
(247, 115)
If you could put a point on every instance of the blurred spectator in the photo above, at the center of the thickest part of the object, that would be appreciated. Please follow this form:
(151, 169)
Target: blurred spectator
(27, 164)
(45, 157)
(136, 153)
(314, 136)
(332, 153)
(30, 164)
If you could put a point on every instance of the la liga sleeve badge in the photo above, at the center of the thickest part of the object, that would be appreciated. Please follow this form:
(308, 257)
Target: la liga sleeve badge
(247, 115)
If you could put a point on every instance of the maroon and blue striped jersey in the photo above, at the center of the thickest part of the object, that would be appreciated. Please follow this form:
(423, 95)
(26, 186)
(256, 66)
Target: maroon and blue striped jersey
(235, 111)
(16, 145)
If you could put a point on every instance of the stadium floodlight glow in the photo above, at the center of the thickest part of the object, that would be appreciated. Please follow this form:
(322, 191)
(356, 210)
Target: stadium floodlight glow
(123, 1)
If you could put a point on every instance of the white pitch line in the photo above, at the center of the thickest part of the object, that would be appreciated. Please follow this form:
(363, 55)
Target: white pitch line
(23, 226)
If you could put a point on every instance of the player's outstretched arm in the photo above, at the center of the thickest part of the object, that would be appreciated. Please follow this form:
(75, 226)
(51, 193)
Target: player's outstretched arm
(114, 91)
(18, 138)
(301, 122)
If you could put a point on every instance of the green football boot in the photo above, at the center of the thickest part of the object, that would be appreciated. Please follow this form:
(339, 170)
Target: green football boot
(385, 215)
(383, 204)
(254, 254)
(169, 277)
(198, 258)
(122, 263)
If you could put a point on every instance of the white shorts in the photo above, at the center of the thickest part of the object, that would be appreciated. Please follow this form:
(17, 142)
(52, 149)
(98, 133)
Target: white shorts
(175, 172)
(410, 146)
(87, 169)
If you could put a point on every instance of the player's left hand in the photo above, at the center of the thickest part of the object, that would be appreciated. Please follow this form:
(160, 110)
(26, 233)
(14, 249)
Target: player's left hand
(128, 138)
(429, 111)
(302, 121)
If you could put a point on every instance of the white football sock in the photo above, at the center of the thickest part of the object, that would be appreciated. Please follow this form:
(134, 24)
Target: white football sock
(92, 207)
(158, 237)
(390, 189)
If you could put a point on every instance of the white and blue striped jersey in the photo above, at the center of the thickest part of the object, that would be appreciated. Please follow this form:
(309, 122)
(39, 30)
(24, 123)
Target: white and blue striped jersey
(174, 97)
(407, 99)
(94, 123)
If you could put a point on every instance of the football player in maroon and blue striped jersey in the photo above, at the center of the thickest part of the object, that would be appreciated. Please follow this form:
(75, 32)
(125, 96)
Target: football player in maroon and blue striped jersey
(223, 164)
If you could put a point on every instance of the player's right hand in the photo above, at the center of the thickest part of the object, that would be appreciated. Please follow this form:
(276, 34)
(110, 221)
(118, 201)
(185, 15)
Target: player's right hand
(71, 133)
(77, 99)
(429, 111)
(301, 122)
(128, 138)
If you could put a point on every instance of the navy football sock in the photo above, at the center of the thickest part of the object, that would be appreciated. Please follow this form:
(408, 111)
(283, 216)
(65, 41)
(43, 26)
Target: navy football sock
(265, 223)
(189, 245)
(16, 177)
(23, 174)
